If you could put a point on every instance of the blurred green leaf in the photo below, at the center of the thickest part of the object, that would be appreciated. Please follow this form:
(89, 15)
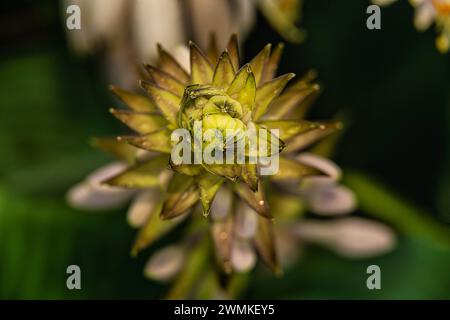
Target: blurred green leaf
(378, 201)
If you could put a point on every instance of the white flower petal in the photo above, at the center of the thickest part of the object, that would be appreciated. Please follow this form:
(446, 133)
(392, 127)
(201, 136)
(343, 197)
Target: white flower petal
(157, 21)
(182, 55)
(211, 17)
(105, 17)
(350, 237)
(330, 199)
(164, 178)
(142, 207)
(96, 179)
(105, 172)
(86, 197)
(221, 205)
(245, 14)
(424, 16)
(323, 164)
(165, 263)
(288, 248)
(246, 221)
(92, 195)
(80, 40)
(416, 3)
(383, 2)
(243, 256)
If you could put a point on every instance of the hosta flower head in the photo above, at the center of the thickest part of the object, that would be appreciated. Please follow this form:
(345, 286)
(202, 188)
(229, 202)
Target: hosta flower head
(227, 101)
(211, 109)
(427, 12)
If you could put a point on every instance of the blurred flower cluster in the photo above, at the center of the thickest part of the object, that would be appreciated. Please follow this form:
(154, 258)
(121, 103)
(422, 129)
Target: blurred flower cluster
(245, 215)
(126, 31)
(428, 12)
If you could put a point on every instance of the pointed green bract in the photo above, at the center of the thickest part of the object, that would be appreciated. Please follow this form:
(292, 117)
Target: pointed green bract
(165, 80)
(213, 50)
(222, 232)
(119, 149)
(153, 229)
(186, 169)
(247, 95)
(259, 62)
(168, 64)
(140, 122)
(267, 93)
(229, 171)
(265, 244)
(302, 141)
(293, 104)
(307, 102)
(267, 137)
(208, 185)
(289, 128)
(233, 172)
(249, 175)
(143, 175)
(290, 169)
(158, 141)
(167, 102)
(182, 194)
(201, 70)
(224, 72)
(240, 81)
(272, 64)
(135, 101)
(233, 50)
(256, 200)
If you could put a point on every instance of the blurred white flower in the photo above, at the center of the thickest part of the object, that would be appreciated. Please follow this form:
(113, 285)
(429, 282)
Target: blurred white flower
(243, 256)
(126, 31)
(350, 237)
(427, 12)
(165, 263)
(322, 194)
(325, 197)
(91, 194)
(142, 206)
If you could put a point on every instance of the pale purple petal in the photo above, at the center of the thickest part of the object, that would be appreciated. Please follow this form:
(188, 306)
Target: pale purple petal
(93, 195)
(181, 54)
(104, 17)
(86, 197)
(320, 163)
(288, 248)
(424, 15)
(243, 256)
(221, 205)
(330, 199)
(383, 2)
(165, 263)
(157, 21)
(246, 220)
(350, 237)
(142, 207)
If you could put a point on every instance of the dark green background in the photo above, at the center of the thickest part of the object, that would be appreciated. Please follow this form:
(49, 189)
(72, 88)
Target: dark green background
(391, 84)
